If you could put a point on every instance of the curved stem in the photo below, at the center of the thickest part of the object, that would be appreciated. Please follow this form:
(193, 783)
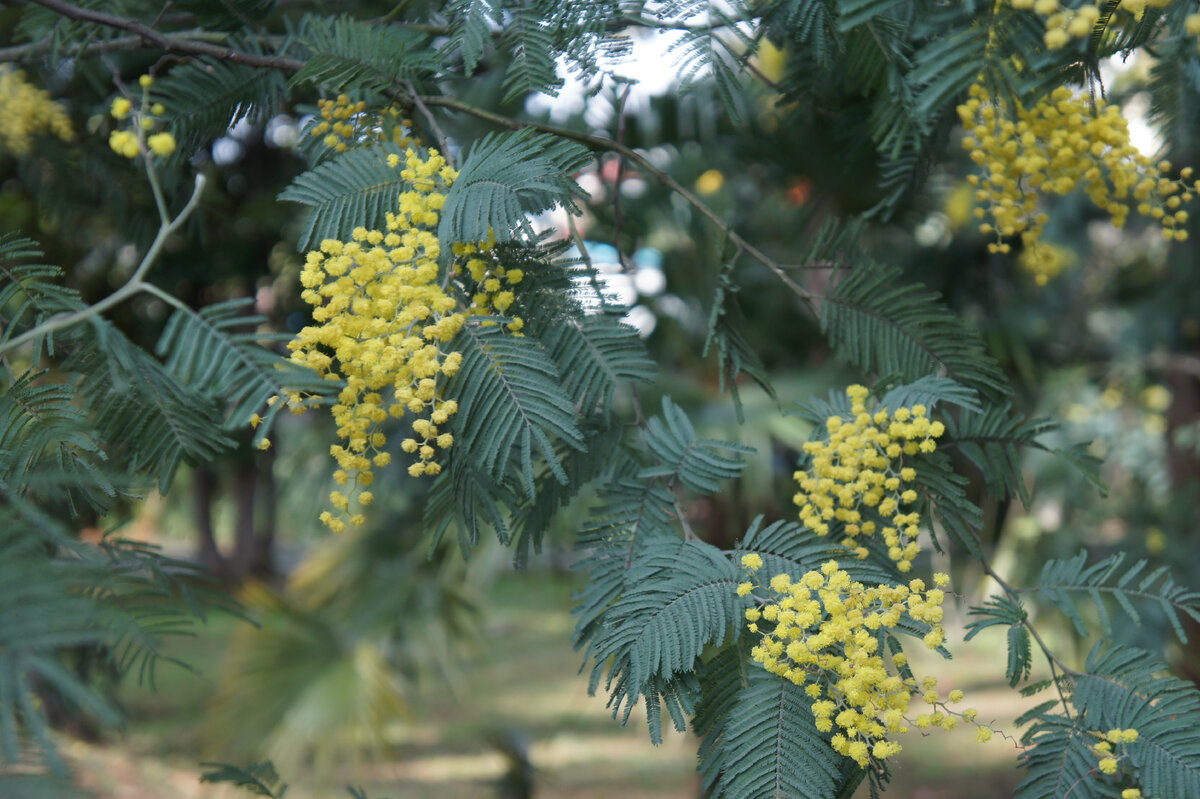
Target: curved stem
(1052, 659)
(133, 286)
(598, 143)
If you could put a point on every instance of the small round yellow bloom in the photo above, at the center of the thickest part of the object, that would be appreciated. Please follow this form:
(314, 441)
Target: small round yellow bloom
(752, 562)
(121, 107)
(162, 144)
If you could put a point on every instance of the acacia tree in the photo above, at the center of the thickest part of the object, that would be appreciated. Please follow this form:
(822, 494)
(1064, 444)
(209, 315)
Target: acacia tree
(448, 338)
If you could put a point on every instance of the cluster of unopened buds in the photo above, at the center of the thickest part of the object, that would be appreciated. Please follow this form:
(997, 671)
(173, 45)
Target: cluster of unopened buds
(345, 124)
(144, 118)
(1066, 141)
(857, 477)
(821, 632)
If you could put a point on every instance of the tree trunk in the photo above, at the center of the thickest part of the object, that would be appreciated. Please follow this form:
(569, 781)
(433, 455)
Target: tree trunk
(262, 559)
(204, 483)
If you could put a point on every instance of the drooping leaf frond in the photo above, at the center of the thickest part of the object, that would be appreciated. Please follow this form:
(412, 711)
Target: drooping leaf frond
(42, 427)
(505, 177)
(354, 188)
(220, 353)
(112, 604)
(508, 390)
(1003, 610)
(150, 419)
(347, 54)
(766, 743)
(29, 292)
(471, 26)
(1062, 580)
(695, 462)
(1120, 688)
(735, 356)
(680, 597)
(206, 97)
(531, 41)
(594, 354)
(880, 324)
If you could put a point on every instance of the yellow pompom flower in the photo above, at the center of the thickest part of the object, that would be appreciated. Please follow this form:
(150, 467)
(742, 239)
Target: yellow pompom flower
(121, 108)
(124, 143)
(162, 144)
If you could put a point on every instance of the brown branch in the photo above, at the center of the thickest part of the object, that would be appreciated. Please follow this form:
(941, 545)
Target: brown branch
(598, 143)
(174, 44)
(169, 42)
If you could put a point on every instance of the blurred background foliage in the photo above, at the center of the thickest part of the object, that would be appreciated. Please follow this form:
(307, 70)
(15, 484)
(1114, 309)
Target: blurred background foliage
(371, 644)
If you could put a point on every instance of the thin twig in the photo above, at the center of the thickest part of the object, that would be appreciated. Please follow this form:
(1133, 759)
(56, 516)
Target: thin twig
(616, 202)
(177, 45)
(134, 285)
(170, 42)
(598, 143)
(443, 142)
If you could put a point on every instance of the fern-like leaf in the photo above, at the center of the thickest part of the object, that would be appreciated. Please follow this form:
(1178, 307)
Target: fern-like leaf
(348, 54)
(204, 98)
(680, 597)
(880, 324)
(594, 354)
(354, 188)
(695, 462)
(1061, 580)
(510, 400)
(766, 744)
(504, 178)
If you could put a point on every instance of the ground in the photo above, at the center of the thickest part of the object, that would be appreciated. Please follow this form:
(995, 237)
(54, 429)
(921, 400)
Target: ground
(521, 686)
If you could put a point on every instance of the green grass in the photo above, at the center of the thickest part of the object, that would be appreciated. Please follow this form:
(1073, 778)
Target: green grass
(520, 684)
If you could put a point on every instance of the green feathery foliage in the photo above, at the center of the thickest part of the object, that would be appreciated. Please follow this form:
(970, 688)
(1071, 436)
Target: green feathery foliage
(354, 188)
(885, 325)
(206, 97)
(346, 55)
(505, 177)
(219, 353)
(679, 598)
(517, 407)
(1119, 688)
(1061, 579)
(595, 354)
(735, 356)
(1003, 610)
(759, 737)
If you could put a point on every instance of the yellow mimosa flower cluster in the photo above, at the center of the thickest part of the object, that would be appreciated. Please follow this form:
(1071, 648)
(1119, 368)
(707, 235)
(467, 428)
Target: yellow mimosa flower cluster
(130, 142)
(28, 112)
(382, 321)
(1064, 25)
(857, 477)
(1065, 142)
(1110, 760)
(345, 124)
(822, 632)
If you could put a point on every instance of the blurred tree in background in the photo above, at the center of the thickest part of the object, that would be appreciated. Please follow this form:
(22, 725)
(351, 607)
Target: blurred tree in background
(594, 277)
